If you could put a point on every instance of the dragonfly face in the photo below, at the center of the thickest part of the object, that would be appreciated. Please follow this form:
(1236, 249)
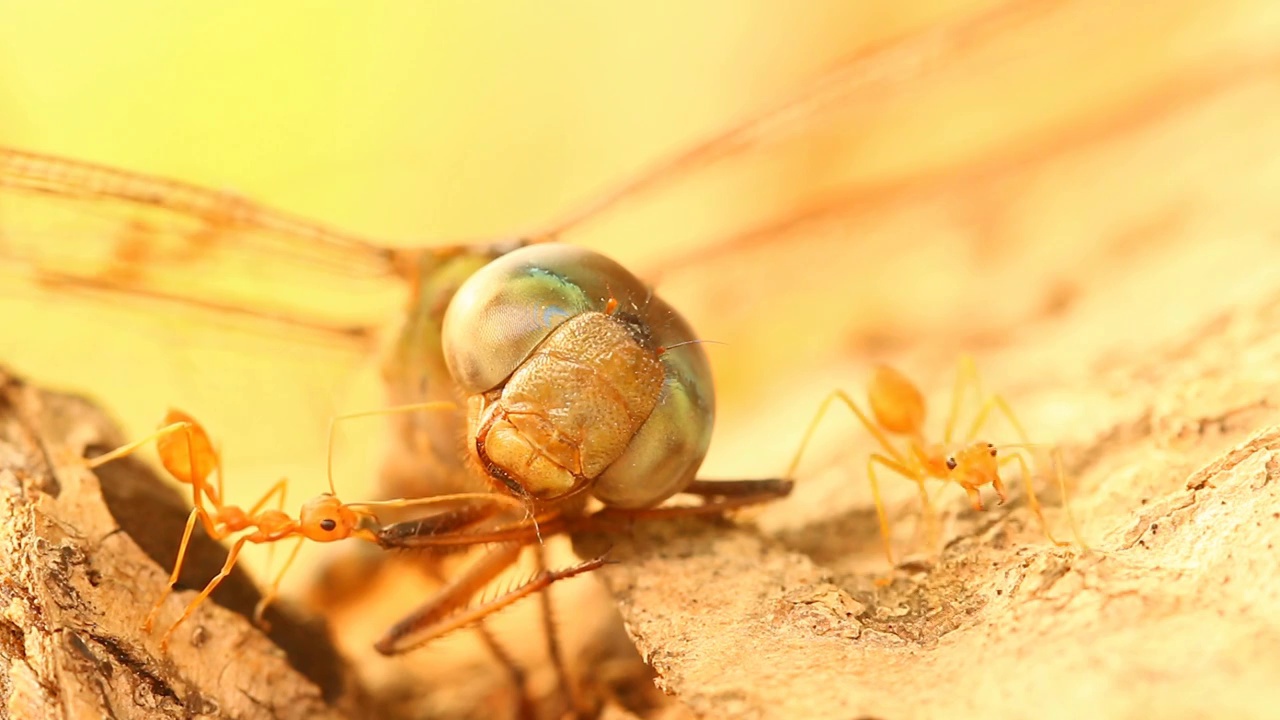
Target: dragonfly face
(565, 357)
(530, 337)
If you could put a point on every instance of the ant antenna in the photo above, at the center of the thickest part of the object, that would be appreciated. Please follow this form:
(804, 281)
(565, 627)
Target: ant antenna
(665, 348)
(333, 421)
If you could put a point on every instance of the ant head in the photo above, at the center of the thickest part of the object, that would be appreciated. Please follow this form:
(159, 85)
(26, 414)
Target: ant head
(975, 465)
(326, 519)
(896, 402)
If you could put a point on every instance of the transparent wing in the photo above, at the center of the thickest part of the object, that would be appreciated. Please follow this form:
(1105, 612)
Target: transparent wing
(148, 293)
(761, 179)
(73, 226)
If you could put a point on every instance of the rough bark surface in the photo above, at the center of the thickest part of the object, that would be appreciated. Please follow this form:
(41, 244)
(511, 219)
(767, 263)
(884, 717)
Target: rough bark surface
(1171, 613)
(82, 565)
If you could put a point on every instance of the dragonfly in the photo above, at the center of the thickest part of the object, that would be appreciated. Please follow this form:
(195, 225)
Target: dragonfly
(795, 281)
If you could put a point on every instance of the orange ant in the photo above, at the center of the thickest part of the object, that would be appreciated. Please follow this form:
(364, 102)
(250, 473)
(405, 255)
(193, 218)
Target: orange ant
(188, 454)
(898, 408)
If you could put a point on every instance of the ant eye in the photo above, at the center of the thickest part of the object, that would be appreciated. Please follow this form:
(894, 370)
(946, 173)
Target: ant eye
(328, 525)
(993, 451)
(951, 463)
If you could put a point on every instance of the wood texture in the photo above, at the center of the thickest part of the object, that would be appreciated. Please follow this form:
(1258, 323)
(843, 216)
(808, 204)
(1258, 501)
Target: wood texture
(81, 566)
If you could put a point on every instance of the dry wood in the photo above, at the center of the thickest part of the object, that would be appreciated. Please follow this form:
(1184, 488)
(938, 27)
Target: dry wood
(82, 564)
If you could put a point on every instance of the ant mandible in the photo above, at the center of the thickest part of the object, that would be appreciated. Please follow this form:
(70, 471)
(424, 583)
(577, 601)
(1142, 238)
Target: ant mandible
(898, 408)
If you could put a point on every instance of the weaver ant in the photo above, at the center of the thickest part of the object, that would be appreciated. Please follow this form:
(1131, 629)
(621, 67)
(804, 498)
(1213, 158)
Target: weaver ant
(189, 455)
(898, 408)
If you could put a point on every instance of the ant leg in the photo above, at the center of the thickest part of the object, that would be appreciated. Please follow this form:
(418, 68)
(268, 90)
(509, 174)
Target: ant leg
(871, 427)
(966, 376)
(447, 610)
(1055, 453)
(272, 592)
(208, 589)
(554, 651)
(1032, 500)
(1056, 456)
(1056, 461)
(133, 447)
(997, 402)
(195, 447)
(886, 533)
(217, 455)
(177, 569)
(281, 487)
(930, 514)
(1031, 495)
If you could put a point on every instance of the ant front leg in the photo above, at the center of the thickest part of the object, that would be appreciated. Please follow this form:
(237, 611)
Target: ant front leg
(968, 375)
(280, 488)
(870, 426)
(1032, 500)
(1055, 455)
(273, 590)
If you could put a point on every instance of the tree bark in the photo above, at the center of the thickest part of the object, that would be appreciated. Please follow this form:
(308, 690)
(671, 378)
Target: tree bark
(81, 567)
(1174, 471)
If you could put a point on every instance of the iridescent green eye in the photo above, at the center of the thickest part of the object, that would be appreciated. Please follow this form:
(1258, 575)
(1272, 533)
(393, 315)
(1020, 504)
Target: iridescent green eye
(501, 313)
